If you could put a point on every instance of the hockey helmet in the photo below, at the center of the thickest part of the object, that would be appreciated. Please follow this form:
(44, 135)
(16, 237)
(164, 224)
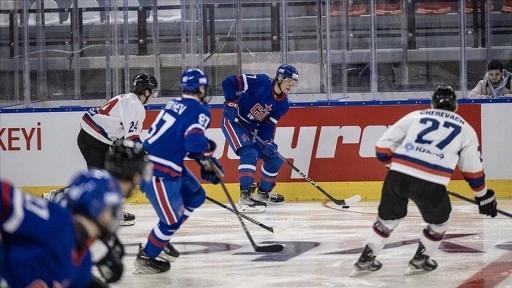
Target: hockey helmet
(142, 82)
(192, 80)
(444, 98)
(287, 71)
(91, 194)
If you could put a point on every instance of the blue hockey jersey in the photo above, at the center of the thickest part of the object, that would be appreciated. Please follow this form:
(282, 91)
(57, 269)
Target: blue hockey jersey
(39, 243)
(258, 104)
(177, 130)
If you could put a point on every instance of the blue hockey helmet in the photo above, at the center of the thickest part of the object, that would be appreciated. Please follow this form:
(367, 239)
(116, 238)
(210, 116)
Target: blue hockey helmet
(444, 98)
(93, 193)
(287, 71)
(193, 79)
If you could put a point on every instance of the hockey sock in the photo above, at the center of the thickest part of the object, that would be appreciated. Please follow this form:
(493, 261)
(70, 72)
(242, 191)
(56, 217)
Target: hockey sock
(159, 237)
(432, 236)
(379, 234)
(247, 166)
(269, 173)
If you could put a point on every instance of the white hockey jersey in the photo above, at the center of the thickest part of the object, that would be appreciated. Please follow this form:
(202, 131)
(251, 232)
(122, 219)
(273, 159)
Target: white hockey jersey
(428, 144)
(121, 117)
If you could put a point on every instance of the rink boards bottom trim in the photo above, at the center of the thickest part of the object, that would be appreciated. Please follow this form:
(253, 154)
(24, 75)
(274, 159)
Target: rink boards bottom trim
(304, 191)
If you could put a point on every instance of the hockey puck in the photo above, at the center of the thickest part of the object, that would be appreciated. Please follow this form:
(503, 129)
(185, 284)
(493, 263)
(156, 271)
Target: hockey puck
(345, 206)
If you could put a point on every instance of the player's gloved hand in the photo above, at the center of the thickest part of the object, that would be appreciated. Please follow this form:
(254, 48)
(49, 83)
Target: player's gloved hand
(269, 148)
(208, 172)
(487, 204)
(115, 246)
(110, 267)
(230, 110)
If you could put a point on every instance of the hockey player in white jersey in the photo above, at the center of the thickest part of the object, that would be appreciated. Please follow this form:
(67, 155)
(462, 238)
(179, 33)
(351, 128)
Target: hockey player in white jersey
(120, 118)
(421, 151)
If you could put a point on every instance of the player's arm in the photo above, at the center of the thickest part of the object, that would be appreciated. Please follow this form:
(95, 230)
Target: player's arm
(234, 84)
(392, 138)
(195, 139)
(132, 119)
(470, 164)
(201, 148)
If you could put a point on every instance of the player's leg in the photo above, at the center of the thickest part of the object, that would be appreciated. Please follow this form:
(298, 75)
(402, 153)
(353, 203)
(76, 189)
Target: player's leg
(164, 195)
(269, 172)
(392, 208)
(435, 207)
(92, 149)
(242, 144)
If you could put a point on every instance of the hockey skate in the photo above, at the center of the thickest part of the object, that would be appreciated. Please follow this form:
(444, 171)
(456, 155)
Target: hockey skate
(366, 263)
(145, 265)
(420, 263)
(247, 204)
(169, 254)
(54, 195)
(128, 219)
(270, 197)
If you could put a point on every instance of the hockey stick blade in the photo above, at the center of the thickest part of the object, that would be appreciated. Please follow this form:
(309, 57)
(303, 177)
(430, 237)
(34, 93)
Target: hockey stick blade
(270, 248)
(349, 201)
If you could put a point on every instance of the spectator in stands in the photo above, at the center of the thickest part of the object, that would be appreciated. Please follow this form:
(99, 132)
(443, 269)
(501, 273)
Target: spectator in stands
(496, 83)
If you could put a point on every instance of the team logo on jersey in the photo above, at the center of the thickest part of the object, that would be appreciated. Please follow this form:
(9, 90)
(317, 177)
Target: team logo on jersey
(259, 113)
(245, 137)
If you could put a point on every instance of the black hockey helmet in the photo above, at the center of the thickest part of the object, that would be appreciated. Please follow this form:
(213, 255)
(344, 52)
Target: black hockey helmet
(142, 82)
(444, 98)
(127, 158)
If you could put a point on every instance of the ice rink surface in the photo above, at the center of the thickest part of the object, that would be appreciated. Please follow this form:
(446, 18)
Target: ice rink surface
(322, 241)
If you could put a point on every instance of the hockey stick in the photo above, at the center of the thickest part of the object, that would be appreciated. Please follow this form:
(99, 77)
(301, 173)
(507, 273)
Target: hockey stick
(472, 201)
(269, 248)
(271, 229)
(345, 202)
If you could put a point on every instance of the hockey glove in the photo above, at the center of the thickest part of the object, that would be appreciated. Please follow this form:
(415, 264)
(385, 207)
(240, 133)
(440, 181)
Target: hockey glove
(208, 172)
(269, 148)
(230, 110)
(487, 204)
(111, 267)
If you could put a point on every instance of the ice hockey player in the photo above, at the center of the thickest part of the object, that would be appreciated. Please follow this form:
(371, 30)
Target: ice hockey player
(47, 243)
(120, 118)
(258, 101)
(421, 151)
(174, 192)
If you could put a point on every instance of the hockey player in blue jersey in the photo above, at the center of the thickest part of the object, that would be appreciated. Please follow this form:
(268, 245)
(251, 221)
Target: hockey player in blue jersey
(174, 192)
(46, 244)
(259, 101)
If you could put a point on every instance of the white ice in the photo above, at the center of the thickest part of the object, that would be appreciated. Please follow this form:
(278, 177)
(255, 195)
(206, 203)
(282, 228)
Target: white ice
(321, 242)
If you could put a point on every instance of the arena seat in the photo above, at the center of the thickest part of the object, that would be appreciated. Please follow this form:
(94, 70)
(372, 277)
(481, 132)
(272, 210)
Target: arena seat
(507, 6)
(388, 9)
(353, 10)
(433, 8)
(50, 18)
